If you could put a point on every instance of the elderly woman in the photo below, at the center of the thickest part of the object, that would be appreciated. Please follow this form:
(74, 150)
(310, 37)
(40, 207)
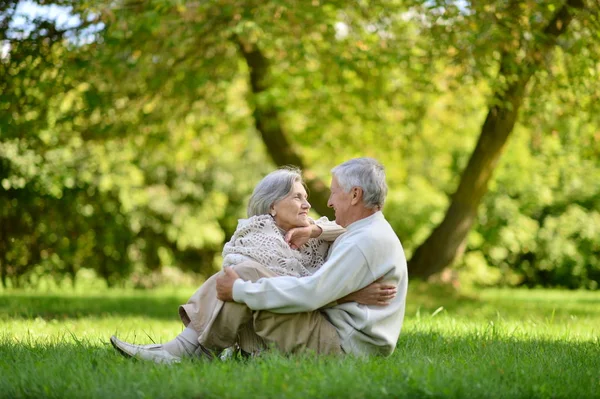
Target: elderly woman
(277, 234)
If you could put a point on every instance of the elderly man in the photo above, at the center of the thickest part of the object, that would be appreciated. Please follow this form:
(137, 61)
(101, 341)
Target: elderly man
(292, 313)
(257, 308)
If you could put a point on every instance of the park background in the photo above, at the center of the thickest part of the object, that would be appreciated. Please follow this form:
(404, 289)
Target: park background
(133, 132)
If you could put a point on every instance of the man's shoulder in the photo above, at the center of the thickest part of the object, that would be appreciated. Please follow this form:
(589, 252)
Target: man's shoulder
(378, 237)
(374, 229)
(377, 229)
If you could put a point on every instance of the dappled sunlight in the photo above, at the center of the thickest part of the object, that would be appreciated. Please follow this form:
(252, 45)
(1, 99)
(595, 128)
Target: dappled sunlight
(95, 331)
(133, 133)
(575, 312)
(151, 316)
(140, 316)
(523, 343)
(508, 330)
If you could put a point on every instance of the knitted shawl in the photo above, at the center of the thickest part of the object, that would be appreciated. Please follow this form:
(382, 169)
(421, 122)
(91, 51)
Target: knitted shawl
(259, 239)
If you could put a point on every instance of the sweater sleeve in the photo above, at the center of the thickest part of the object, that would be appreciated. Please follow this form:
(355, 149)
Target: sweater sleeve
(331, 230)
(339, 276)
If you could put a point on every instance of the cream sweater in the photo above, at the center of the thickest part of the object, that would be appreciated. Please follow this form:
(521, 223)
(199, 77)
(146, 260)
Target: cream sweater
(368, 250)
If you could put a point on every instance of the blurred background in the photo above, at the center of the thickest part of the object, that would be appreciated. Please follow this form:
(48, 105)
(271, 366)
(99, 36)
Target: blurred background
(133, 132)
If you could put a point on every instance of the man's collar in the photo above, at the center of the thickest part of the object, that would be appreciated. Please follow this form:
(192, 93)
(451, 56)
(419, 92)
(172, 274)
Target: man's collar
(364, 221)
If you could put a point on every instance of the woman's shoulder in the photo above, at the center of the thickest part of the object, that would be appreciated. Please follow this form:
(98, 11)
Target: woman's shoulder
(261, 218)
(256, 223)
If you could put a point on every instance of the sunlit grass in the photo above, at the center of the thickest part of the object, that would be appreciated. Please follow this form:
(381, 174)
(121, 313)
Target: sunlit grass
(492, 343)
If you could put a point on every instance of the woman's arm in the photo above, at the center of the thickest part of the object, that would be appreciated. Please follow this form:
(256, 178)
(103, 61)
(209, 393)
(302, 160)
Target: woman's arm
(321, 228)
(330, 230)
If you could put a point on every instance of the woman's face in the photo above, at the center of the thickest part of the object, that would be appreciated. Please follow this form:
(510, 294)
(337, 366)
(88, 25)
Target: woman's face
(292, 211)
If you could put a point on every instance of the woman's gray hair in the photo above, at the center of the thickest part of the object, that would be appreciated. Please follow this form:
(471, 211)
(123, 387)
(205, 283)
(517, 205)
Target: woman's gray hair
(271, 189)
(366, 173)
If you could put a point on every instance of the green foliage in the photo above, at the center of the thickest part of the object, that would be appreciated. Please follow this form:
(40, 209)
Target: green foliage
(542, 213)
(105, 179)
(128, 142)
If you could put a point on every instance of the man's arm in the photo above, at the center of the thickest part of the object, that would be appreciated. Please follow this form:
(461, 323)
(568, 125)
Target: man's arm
(344, 272)
(374, 294)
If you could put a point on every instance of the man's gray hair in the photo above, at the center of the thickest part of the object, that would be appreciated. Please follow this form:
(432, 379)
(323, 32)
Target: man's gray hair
(273, 188)
(366, 173)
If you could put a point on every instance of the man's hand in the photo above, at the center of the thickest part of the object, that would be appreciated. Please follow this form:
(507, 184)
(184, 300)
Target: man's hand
(298, 236)
(374, 294)
(225, 282)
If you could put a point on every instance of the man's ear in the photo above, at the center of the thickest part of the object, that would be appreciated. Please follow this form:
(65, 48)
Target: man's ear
(357, 194)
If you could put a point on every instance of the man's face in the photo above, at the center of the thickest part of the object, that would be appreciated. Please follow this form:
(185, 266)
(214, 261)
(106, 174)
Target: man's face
(341, 202)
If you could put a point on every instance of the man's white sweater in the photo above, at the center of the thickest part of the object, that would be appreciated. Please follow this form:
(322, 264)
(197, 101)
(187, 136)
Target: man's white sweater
(368, 250)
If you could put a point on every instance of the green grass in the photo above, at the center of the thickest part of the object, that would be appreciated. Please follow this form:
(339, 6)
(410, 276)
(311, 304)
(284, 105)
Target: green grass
(494, 343)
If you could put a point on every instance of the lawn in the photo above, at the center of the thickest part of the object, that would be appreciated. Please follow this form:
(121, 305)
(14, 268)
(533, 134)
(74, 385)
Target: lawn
(491, 343)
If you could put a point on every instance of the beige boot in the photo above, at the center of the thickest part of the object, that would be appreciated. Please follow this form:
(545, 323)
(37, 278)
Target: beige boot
(154, 352)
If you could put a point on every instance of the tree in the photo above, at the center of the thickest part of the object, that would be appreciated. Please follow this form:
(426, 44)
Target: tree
(93, 173)
(520, 59)
(161, 116)
(524, 38)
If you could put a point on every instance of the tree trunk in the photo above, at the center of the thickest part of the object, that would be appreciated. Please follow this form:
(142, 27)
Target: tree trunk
(3, 250)
(447, 241)
(2, 275)
(267, 122)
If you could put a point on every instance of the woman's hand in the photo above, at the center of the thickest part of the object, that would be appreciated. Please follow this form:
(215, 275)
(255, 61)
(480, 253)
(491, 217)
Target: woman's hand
(299, 236)
(375, 294)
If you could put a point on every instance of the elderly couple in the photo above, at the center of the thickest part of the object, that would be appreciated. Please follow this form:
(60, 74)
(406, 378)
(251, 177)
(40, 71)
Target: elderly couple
(296, 284)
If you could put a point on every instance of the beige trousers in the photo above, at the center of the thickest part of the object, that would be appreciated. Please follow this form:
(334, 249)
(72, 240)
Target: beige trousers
(222, 324)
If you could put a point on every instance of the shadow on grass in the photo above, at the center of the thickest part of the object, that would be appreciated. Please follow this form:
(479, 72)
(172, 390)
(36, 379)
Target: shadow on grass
(422, 299)
(509, 365)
